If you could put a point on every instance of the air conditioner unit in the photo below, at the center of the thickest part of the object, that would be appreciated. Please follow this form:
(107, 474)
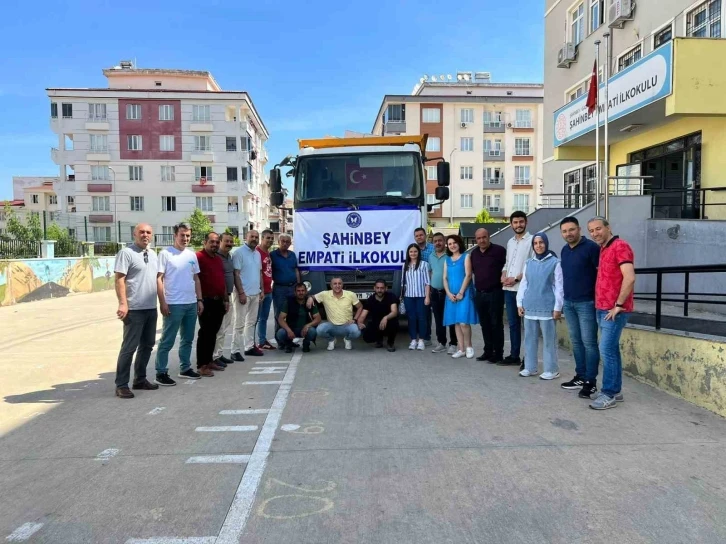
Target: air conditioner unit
(566, 56)
(620, 11)
(464, 125)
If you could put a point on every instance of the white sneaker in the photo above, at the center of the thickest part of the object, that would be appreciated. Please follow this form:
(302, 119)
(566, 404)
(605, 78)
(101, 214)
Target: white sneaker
(458, 355)
(413, 344)
(451, 350)
(331, 345)
(440, 348)
(421, 345)
(469, 353)
(526, 373)
(549, 375)
(348, 343)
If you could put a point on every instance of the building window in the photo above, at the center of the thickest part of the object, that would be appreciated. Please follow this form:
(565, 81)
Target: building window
(466, 172)
(71, 200)
(232, 173)
(133, 142)
(433, 144)
(431, 200)
(521, 147)
(663, 36)
(705, 20)
(136, 203)
(521, 175)
(492, 176)
(34, 199)
(203, 173)
(597, 7)
(136, 173)
(101, 204)
(577, 193)
(467, 115)
(493, 203)
(466, 144)
(166, 143)
(574, 93)
(231, 143)
(53, 199)
(521, 202)
(166, 112)
(67, 111)
(54, 110)
(493, 148)
(101, 234)
(396, 113)
(201, 114)
(167, 231)
(245, 143)
(99, 143)
(430, 115)
(630, 57)
(432, 174)
(168, 173)
(204, 203)
(577, 24)
(245, 173)
(99, 173)
(97, 112)
(493, 119)
(168, 204)
(467, 201)
(523, 119)
(202, 143)
(133, 111)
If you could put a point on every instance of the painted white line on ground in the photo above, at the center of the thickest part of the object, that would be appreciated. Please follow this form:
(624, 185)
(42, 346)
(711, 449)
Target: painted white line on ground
(272, 362)
(105, 455)
(190, 382)
(210, 459)
(173, 540)
(24, 532)
(290, 427)
(157, 410)
(243, 412)
(262, 383)
(236, 520)
(227, 428)
(269, 370)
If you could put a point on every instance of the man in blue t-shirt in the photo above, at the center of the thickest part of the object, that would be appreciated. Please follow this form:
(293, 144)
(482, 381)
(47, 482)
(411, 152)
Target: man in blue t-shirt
(285, 275)
(579, 261)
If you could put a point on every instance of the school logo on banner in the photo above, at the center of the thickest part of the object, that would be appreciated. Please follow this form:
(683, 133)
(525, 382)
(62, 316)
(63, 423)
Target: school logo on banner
(353, 220)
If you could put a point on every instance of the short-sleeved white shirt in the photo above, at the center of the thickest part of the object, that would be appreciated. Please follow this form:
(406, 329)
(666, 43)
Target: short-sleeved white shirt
(179, 268)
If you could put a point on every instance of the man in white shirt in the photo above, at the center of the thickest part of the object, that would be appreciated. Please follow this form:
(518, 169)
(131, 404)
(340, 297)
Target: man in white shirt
(180, 301)
(519, 249)
(248, 282)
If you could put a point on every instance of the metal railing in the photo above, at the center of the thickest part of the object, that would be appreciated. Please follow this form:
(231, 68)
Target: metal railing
(106, 248)
(567, 200)
(684, 297)
(162, 240)
(68, 248)
(18, 249)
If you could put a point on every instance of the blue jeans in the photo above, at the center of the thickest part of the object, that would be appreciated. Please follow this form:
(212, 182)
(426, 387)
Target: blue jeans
(183, 317)
(612, 363)
(582, 326)
(515, 323)
(283, 340)
(330, 331)
(531, 342)
(418, 314)
(279, 296)
(263, 314)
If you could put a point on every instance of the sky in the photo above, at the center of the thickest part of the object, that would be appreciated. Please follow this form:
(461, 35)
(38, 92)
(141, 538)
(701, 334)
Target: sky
(312, 68)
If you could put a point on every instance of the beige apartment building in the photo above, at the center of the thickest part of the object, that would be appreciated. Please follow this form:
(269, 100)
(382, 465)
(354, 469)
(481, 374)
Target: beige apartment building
(490, 132)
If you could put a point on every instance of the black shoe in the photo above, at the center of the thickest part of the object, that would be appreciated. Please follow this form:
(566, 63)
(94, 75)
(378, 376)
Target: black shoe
(288, 349)
(306, 348)
(164, 379)
(224, 360)
(146, 385)
(391, 349)
(510, 361)
(254, 352)
(379, 344)
(574, 383)
(237, 357)
(484, 357)
(220, 362)
(588, 389)
(189, 374)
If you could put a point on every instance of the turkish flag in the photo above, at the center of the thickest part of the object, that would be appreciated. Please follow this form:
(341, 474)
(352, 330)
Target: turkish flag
(363, 179)
(592, 93)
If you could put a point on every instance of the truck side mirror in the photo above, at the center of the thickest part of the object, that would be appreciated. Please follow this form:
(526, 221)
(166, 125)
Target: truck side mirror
(276, 199)
(275, 181)
(442, 193)
(442, 173)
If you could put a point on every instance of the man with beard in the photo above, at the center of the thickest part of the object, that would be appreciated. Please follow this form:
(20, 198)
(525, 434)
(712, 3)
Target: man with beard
(225, 247)
(379, 317)
(248, 282)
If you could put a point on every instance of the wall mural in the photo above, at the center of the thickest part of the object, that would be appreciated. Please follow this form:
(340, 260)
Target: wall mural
(38, 279)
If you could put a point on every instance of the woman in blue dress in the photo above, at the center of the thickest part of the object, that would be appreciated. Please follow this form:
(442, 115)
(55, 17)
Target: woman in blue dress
(459, 309)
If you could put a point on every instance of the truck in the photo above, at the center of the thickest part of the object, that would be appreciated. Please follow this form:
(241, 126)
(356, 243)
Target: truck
(356, 204)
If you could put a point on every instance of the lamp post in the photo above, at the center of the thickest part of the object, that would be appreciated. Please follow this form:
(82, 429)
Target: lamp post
(113, 195)
(451, 205)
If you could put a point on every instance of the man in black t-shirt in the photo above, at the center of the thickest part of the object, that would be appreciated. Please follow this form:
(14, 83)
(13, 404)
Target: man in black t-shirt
(379, 317)
(297, 321)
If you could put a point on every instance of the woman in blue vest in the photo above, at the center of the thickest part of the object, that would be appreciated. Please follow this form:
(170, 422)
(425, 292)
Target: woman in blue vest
(539, 300)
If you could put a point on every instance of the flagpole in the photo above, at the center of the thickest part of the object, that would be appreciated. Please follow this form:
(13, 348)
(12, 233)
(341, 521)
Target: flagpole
(606, 177)
(598, 186)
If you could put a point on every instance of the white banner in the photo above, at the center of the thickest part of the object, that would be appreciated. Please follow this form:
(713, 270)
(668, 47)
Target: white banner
(354, 239)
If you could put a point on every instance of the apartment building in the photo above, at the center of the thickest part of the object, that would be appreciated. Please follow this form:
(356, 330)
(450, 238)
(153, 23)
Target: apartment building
(490, 132)
(666, 107)
(34, 195)
(153, 146)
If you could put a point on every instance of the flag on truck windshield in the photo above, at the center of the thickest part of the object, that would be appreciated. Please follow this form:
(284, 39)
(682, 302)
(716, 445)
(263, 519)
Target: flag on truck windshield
(364, 179)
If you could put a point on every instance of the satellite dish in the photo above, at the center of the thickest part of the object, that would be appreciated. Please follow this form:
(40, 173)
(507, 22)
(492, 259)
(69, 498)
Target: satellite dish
(421, 80)
(433, 78)
(466, 77)
(425, 78)
(442, 78)
(448, 77)
(459, 77)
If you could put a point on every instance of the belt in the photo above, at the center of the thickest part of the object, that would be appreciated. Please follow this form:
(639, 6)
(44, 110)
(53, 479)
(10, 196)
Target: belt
(284, 284)
(215, 298)
(487, 292)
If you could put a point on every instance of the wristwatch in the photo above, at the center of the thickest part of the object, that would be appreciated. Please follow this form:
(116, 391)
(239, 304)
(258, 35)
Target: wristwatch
(618, 305)
(200, 300)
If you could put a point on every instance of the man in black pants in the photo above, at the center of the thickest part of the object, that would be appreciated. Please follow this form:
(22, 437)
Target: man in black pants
(438, 296)
(487, 262)
(216, 303)
(297, 321)
(379, 317)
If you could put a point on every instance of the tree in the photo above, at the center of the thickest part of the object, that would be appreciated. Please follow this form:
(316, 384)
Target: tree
(58, 233)
(30, 232)
(484, 217)
(201, 225)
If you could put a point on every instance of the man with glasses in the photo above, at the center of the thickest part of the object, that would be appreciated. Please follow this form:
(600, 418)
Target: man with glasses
(135, 269)
(216, 304)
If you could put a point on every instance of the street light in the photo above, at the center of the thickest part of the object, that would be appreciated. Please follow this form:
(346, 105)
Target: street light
(113, 193)
(451, 204)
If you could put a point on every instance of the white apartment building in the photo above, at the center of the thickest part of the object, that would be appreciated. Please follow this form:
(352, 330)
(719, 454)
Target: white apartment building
(491, 133)
(34, 195)
(153, 146)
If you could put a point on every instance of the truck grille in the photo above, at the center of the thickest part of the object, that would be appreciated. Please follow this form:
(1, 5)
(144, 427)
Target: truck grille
(364, 277)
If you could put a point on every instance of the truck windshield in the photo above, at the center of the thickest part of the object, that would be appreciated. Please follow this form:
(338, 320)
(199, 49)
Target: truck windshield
(370, 176)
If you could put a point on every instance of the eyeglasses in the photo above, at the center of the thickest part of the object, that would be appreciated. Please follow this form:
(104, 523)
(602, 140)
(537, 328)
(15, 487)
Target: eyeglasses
(146, 256)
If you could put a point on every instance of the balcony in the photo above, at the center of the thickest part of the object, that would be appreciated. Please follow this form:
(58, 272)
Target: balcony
(55, 155)
(98, 154)
(522, 183)
(523, 156)
(495, 211)
(202, 155)
(202, 187)
(494, 183)
(212, 218)
(494, 155)
(497, 126)
(263, 156)
(99, 188)
(394, 127)
(523, 126)
(201, 125)
(97, 123)
(100, 218)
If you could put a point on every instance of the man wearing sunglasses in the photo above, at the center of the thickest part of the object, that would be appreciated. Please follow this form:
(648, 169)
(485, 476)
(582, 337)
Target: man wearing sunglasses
(136, 267)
